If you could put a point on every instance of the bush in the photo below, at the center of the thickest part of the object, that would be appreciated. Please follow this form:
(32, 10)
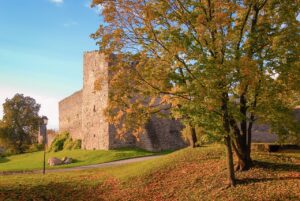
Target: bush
(2, 152)
(35, 147)
(58, 142)
(72, 144)
(63, 141)
(6, 141)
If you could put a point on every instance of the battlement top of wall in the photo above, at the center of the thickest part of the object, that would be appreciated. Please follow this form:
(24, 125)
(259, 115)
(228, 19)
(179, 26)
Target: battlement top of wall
(97, 52)
(75, 94)
(91, 51)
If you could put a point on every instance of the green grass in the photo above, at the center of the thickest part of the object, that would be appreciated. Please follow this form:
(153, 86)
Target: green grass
(188, 174)
(34, 161)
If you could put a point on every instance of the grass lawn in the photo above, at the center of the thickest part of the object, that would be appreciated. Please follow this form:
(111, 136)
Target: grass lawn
(188, 174)
(34, 161)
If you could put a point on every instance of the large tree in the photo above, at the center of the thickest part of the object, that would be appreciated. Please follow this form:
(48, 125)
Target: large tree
(221, 65)
(20, 123)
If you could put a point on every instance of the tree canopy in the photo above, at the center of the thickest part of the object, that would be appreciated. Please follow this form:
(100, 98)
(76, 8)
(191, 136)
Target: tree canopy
(20, 123)
(221, 65)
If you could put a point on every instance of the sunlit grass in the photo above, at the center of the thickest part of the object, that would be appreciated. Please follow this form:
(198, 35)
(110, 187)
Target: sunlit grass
(34, 161)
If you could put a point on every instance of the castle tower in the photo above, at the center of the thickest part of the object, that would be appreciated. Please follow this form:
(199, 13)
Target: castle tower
(94, 127)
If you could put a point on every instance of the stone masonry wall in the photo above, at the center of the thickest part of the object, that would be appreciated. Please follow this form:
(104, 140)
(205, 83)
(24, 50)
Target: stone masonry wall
(261, 133)
(95, 128)
(70, 115)
(162, 134)
(82, 115)
(116, 141)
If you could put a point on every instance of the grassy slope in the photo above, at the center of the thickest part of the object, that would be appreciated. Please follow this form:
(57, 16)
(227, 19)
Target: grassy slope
(32, 161)
(189, 174)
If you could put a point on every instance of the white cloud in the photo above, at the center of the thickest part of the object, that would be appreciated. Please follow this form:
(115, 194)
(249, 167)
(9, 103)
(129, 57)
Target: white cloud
(70, 24)
(57, 1)
(49, 104)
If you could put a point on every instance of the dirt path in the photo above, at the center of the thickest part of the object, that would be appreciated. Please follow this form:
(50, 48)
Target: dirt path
(86, 167)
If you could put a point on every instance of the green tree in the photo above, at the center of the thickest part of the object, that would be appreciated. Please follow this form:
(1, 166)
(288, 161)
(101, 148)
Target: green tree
(220, 65)
(20, 123)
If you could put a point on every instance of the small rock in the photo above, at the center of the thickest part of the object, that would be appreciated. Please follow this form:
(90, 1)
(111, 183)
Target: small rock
(64, 158)
(68, 161)
(54, 161)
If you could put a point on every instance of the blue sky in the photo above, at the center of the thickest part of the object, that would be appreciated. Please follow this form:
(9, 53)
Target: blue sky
(41, 49)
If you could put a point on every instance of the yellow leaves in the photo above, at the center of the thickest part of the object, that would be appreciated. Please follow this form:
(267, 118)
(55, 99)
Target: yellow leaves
(118, 33)
(165, 98)
(210, 108)
(248, 73)
(248, 68)
(175, 102)
(201, 19)
(222, 19)
(119, 115)
(153, 101)
(97, 2)
(175, 89)
(97, 85)
(149, 13)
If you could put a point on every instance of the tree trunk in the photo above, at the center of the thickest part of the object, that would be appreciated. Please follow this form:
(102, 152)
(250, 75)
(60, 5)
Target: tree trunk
(229, 158)
(242, 148)
(193, 140)
(244, 163)
(226, 126)
(20, 141)
(249, 140)
(241, 144)
(242, 151)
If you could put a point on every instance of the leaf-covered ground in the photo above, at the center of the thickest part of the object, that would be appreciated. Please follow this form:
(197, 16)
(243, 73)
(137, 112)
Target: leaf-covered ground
(189, 174)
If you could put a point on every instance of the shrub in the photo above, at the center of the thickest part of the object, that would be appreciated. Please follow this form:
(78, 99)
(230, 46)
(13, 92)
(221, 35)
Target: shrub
(63, 141)
(35, 147)
(72, 144)
(6, 141)
(76, 144)
(58, 142)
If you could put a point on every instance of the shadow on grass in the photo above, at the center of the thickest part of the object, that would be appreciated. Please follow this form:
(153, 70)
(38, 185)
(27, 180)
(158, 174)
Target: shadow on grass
(277, 166)
(257, 180)
(3, 159)
(52, 191)
(76, 161)
(273, 167)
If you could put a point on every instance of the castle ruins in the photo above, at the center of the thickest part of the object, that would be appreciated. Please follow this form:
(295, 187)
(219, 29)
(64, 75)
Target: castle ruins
(81, 114)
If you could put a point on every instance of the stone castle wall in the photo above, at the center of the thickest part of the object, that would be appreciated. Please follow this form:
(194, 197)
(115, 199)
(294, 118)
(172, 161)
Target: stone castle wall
(70, 114)
(82, 115)
(162, 134)
(94, 126)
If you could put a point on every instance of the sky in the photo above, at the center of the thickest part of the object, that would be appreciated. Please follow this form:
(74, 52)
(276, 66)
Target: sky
(41, 50)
